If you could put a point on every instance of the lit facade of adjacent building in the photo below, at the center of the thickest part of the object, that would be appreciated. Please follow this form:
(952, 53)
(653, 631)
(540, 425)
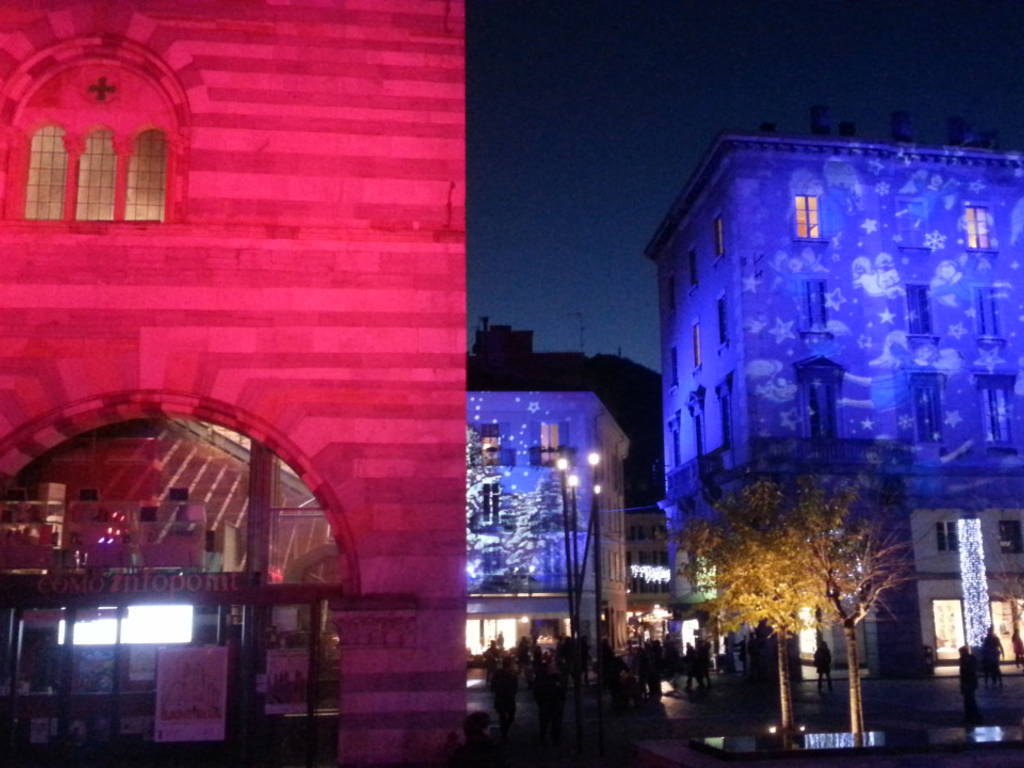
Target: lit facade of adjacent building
(852, 308)
(516, 543)
(233, 333)
(649, 573)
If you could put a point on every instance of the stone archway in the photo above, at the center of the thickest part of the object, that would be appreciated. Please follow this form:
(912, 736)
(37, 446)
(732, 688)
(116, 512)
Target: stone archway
(33, 439)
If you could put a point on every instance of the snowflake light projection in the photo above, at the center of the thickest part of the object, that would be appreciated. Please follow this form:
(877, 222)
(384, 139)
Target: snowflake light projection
(974, 580)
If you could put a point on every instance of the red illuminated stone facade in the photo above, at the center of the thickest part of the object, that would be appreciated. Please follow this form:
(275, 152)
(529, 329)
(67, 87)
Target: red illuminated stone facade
(303, 283)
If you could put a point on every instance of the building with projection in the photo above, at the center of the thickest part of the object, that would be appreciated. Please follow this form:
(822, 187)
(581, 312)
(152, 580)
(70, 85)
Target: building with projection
(518, 502)
(232, 409)
(850, 307)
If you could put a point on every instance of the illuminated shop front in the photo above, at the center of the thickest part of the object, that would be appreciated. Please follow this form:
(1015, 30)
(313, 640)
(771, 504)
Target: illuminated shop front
(136, 616)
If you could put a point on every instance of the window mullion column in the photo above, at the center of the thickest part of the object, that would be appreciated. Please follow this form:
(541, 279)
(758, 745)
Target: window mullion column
(75, 146)
(123, 151)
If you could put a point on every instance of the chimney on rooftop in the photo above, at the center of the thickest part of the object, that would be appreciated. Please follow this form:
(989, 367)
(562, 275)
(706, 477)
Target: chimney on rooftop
(847, 128)
(958, 131)
(767, 128)
(901, 126)
(821, 123)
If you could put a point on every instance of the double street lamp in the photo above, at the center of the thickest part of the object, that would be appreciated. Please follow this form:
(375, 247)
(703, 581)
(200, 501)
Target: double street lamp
(574, 585)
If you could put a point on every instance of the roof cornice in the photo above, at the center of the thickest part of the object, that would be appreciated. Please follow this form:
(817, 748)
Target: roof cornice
(907, 153)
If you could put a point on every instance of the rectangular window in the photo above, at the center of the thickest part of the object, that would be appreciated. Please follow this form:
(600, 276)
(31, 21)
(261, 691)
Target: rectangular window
(490, 440)
(675, 367)
(910, 218)
(807, 226)
(674, 431)
(919, 312)
(695, 333)
(820, 398)
(926, 400)
(698, 431)
(997, 408)
(986, 311)
(1010, 542)
(725, 413)
(723, 322)
(977, 225)
(553, 438)
(719, 237)
(490, 503)
(815, 311)
(692, 258)
(945, 536)
(670, 288)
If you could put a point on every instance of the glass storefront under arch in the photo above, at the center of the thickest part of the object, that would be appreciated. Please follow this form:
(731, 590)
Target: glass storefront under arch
(166, 588)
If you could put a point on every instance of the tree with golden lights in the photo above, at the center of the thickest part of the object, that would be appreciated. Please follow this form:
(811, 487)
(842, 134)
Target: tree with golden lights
(752, 555)
(855, 563)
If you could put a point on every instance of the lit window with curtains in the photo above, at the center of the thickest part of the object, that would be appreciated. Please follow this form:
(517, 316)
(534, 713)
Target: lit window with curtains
(976, 224)
(47, 175)
(97, 177)
(147, 178)
(807, 225)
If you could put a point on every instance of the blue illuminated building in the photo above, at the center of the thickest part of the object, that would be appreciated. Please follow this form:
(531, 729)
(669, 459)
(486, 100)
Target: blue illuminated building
(516, 563)
(853, 308)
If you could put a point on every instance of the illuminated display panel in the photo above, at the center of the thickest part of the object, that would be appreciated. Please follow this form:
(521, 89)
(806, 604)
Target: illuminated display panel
(143, 625)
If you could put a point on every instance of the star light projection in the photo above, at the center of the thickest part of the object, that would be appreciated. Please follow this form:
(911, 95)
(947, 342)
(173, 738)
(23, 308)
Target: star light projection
(977, 614)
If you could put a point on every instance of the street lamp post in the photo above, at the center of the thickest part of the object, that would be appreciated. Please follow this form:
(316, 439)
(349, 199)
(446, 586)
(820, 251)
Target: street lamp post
(595, 520)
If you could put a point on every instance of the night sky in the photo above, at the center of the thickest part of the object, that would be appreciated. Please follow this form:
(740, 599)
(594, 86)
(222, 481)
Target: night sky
(586, 117)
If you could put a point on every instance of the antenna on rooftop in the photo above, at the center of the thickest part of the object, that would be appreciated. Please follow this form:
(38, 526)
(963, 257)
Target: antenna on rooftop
(579, 319)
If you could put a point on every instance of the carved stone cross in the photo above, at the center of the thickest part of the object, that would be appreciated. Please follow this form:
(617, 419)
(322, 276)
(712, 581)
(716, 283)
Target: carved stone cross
(101, 89)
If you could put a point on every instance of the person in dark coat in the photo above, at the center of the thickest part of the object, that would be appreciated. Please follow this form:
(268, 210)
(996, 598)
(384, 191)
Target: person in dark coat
(505, 685)
(549, 693)
(690, 665)
(991, 655)
(823, 664)
(653, 677)
(969, 684)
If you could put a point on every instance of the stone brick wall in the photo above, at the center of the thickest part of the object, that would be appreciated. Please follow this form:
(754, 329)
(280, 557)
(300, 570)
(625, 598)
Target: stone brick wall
(307, 288)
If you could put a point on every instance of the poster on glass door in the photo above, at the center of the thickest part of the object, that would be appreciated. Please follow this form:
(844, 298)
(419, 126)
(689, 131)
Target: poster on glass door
(191, 694)
(287, 674)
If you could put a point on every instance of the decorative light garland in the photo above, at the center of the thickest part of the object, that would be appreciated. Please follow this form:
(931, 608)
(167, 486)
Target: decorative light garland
(974, 579)
(651, 573)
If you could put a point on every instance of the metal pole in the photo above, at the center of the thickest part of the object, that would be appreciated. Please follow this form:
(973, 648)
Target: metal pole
(595, 516)
(575, 630)
(569, 586)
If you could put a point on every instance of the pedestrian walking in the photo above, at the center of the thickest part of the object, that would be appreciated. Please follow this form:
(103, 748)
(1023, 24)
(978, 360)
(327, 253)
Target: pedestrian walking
(991, 655)
(1018, 649)
(549, 693)
(823, 664)
(505, 685)
(969, 684)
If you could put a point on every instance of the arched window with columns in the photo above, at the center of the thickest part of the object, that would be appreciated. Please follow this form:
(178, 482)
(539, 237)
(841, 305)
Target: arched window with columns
(97, 177)
(47, 174)
(101, 139)
(146, 191)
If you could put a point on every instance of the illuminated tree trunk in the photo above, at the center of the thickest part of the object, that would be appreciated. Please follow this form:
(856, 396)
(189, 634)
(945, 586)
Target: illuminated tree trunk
(853, 667)
(785, 686)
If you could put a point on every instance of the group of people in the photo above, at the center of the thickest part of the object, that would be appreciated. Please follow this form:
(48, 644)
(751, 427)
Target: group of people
(991, 653)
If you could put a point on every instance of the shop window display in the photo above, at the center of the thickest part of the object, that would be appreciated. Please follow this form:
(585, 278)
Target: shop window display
(949, 628)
